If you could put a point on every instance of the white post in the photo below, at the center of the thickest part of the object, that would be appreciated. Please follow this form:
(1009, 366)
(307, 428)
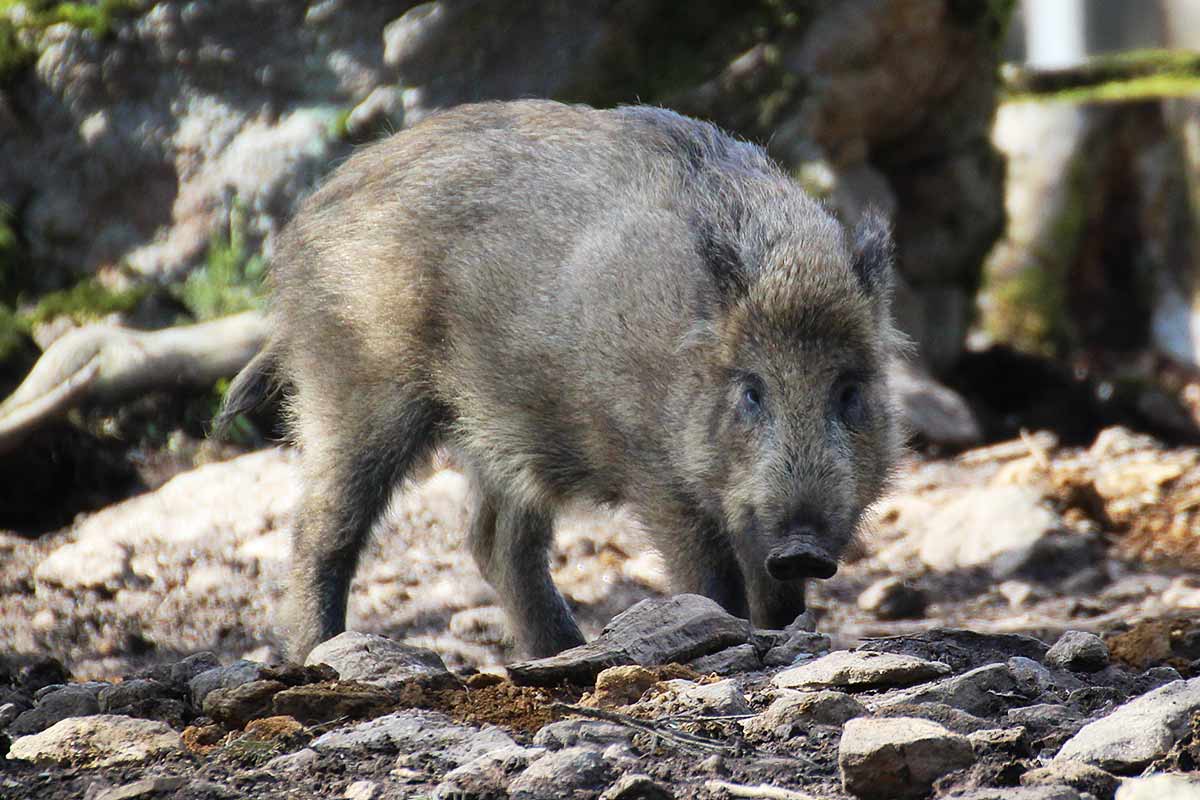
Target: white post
(1054, 33)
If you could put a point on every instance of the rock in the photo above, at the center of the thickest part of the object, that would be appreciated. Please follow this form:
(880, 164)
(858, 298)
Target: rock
(1005, 743)
(1159, 787)
(573, 772)
(931, 410)
(892, 598)
(292, 674)
(229, 677)
(885, 759)
(796, 645)
(449, 743)
(1022, 793)
(572, 732)
(721, 698)
(995, 527)
(654, 631)
(235, 707)
(202, 739)
(324, 702)
(486, 776)
(482, 625)
(55, 706)
(1139, 732)
(185, 669)
(377, 660)
(858, 670)
(143, 697)
(146, 787)
(620, 686)
(730, 661)
(635, 786)
(792, 712)
(293, 762)
(1078, 651)
(362, 790)
(954, 719)
(381, 111)
(102, 740)
(961, 649)
(1079, 776)
(982, 692)
(1048, 724)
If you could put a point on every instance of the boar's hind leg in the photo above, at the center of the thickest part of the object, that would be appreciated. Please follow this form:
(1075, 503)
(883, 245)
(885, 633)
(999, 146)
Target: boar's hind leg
(510, 544)
(351, 471)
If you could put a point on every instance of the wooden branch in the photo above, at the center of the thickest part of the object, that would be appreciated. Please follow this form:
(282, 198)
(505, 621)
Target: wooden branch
(1100, 70)
(107, 363)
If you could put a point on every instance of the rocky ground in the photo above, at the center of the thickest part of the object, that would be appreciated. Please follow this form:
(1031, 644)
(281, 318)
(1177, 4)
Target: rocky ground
(137, 642)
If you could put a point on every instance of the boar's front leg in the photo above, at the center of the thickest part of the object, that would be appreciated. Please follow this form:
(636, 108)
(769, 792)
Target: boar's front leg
(510, 543)
(698, 557)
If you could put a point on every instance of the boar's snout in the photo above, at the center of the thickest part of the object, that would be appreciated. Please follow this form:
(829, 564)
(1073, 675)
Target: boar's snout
(800, 556)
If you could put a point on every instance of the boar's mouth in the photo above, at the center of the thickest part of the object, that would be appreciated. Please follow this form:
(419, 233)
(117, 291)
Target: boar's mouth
(800, 558)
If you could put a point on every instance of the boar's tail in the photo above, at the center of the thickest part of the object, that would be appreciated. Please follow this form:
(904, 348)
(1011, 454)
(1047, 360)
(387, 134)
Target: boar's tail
(252, 386)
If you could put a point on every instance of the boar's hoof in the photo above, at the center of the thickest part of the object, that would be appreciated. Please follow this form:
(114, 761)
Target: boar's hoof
(794, 560)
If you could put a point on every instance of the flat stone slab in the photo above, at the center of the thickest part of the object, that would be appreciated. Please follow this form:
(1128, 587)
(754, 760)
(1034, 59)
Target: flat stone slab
(655, 631)
(378, 660)
(415, 732)
(1137, 733)
(961, 649)
(898, 757)
(100, 740)
(858, 670)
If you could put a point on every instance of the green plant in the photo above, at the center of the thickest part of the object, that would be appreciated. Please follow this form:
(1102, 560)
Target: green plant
(230, 279)
(86, 301)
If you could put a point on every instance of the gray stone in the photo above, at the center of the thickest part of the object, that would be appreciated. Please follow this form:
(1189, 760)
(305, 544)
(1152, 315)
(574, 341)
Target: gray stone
(654, 631)
(320, 703)
(1079, 651)
(1160, 787)
(1048, 724)
(981, 526)
(892, 598)
(1079, 776)
(405, 732)
(55, 706)
(101, 740)
(146, 787)
(796, 645)
(572, 732)
(289, 762)
(378, 660)
(228, 677)
(1001, 742)
(955, 719)
(858, 670)
(1139, 732)
(573, 772)
(486, 776)
(634, 786)
(1035, 680)
(1021, 793)
(982, 692)
(961, 649)
(939, 415)
(885, 759)
(792, 712)
(235, 707)
(143, 697)
(362, 790)
(730, 661)
(721, 698)
(185, 669)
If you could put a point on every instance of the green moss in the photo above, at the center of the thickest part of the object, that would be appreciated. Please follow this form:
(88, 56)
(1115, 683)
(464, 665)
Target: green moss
(14, 330)
(15, 57)
(86, 301)
(230, 279)
(339, 130)
(97, 17)
(1146, 88)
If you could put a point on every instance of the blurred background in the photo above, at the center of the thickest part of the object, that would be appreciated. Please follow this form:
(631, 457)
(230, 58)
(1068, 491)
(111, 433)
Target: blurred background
(1039, 160)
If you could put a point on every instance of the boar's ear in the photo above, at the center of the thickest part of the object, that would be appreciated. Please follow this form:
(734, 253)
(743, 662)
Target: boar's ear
(724, 262)
(874, 256)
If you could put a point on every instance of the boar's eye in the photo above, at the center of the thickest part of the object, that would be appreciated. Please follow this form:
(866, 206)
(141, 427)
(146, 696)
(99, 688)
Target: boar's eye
(851, 403)
(751, 401)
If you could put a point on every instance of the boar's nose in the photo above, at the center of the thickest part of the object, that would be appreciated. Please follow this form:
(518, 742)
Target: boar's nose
(800, 556)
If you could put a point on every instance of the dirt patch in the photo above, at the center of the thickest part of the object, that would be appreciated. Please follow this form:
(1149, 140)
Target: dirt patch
(520, 709)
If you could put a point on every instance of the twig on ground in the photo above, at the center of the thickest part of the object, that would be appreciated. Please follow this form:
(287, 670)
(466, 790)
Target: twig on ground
(762, 790)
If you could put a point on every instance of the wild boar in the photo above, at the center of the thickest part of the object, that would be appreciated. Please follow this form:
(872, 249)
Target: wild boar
(620, 306)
